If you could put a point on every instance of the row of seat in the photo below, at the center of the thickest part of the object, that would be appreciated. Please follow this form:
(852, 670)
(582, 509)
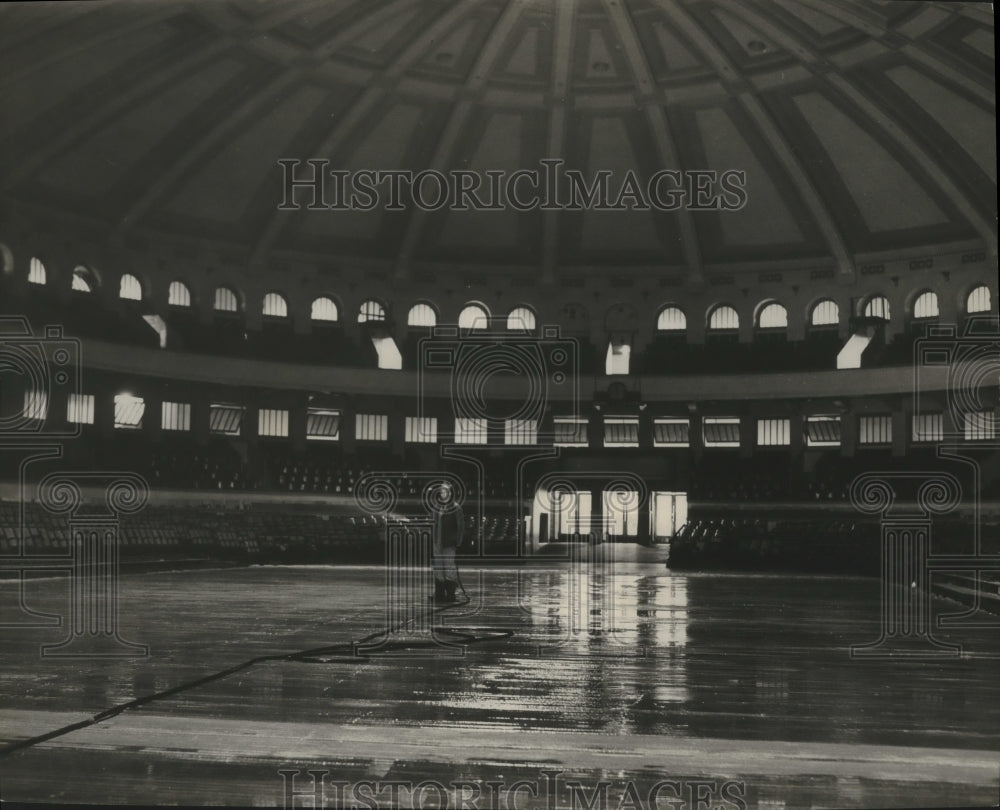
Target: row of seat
(778, 477)
(827, 546)
(178, 461)
(283, 535)
(821, 545)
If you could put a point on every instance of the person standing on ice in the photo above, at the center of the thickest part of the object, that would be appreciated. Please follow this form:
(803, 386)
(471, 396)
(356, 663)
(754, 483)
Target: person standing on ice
(449, 526)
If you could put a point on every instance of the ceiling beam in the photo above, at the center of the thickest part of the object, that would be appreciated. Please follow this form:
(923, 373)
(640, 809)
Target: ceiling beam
(651, 102)
(876, 29)
(966, 205)
(115, 106)
(773, 136)
(380, 88)
(562, 61)
(456, 123)
(69, 48)
(235, 120)
(82, 126)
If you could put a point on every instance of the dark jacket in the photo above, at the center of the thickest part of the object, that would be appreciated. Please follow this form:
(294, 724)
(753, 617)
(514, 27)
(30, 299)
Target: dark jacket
(450, 528)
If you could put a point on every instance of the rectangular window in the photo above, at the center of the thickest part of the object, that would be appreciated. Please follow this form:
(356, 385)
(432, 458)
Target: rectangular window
(272, 422)
(520, 431)
(225, 419)
(875, 430)
(774, 432)
(80, 409)
(570, 431)
(721, 431)
(823, 431)
(621, 431)
(129, 411)
(322, 424)
(928, 427)
(421, 429)
(470, 431)
(371, 427)
(175, 416)
(980, 426)
(36, 404)
(671, 432)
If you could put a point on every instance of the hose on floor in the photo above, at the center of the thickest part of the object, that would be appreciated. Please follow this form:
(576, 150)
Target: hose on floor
(345, 652)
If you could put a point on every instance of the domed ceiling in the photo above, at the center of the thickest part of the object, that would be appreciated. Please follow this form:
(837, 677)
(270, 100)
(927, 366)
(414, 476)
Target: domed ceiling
(862, 127)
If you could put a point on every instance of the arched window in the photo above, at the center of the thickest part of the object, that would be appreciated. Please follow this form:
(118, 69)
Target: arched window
(772, 316)
(130, 288)
(825, 313)
(36, 271)
(878, 307)
(521, 319)
(978, 300)
(324, 309)
(671, 319)
(926, 305)
(421, 315)
(474, 316)
(723, 317)
(84, 279)
(178, 294)
(371, 311)
(275, 306)
(225, 300)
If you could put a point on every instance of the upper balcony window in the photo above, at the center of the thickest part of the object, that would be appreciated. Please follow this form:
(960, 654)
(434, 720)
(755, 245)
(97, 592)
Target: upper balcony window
(36, 272)
(926, 305)
(474, 316)
(421, 315)
(275, 306)
(371, 311)
(324, 309)
(129, 288)
(521, 319)
(671, 319)
(978, 300)
(878, 307)
(225, 300)
(825, 313)
(723, 318)
(178, 294)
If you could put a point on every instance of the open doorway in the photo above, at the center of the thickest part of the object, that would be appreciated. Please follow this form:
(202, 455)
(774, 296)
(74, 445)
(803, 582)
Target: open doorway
(668, 513)
(621, 515)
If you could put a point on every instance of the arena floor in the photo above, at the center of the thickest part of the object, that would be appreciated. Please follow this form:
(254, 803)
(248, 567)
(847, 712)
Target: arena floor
(635, 677)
